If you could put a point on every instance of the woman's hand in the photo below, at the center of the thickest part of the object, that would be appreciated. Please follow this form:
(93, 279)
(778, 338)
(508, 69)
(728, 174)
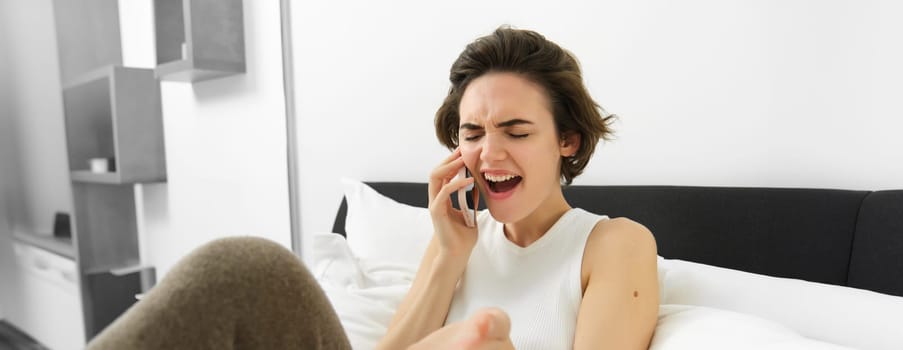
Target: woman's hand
(454, 237)
(425, 307)
(488, 328)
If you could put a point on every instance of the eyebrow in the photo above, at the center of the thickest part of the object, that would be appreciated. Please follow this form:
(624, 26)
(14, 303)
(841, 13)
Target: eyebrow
(504, 124)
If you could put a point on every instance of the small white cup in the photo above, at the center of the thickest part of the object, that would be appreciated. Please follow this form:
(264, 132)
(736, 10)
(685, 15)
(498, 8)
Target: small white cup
(99, 165)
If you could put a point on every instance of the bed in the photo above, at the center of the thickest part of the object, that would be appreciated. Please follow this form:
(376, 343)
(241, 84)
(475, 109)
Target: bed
(739, 267)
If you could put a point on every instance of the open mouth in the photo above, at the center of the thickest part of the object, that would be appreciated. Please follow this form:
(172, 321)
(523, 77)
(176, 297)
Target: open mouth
(502, 184)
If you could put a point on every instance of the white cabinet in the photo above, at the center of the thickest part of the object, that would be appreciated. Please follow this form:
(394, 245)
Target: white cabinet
(48, 293)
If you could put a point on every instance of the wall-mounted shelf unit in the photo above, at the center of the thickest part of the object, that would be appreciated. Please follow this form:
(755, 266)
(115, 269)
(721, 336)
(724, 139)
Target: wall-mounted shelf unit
(87, 35)
(199, 39)
(106, 221)
(114, 113)
(114, 140)
(111, 113)
(106, 227)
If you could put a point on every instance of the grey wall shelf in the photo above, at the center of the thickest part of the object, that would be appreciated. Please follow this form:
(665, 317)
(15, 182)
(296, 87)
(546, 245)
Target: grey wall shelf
(105, 219)
(92, 177)
(60, 246)
(114, 112)
(106, 228)
(111, 112)
(199, 40)
(85, 31)
(106, 296)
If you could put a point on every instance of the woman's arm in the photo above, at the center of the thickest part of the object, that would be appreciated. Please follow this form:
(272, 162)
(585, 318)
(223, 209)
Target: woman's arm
(426, 305)
(620, 299)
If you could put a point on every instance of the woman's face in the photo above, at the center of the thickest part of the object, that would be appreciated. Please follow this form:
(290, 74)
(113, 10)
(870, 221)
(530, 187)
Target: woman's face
(509, 142)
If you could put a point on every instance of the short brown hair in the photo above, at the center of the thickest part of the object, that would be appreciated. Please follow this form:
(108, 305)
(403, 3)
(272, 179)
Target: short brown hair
(543, 62)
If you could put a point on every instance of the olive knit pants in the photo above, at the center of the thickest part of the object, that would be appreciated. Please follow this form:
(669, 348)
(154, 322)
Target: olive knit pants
(233, 293)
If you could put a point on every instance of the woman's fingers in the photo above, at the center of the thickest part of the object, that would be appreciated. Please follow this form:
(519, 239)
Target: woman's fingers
(433, 189)
(442, 176)
(444, 206)
(443, 173)
(497, 323)
(487, 329)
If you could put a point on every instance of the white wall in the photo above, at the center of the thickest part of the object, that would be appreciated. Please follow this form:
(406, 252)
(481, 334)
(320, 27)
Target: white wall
(225, 139)
(225, 142)
(225, 145)
(34, 176)
(35, 106)
(720, 93)
(6, 144)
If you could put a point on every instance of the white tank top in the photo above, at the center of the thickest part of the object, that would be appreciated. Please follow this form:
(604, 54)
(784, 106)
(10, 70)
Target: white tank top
(538, 285)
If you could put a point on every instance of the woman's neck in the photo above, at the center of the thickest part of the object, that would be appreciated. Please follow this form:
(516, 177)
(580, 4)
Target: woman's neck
(536, 224)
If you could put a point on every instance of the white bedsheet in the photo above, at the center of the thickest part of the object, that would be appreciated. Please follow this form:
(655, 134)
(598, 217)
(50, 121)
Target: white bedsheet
(699, 328)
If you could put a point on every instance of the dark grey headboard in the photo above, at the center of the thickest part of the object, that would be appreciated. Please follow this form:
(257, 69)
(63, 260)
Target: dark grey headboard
(849, 238)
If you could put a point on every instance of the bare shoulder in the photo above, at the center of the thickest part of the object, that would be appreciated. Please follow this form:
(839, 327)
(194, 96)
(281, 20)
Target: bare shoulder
(620, 288)
(619, 243)
(622, 235)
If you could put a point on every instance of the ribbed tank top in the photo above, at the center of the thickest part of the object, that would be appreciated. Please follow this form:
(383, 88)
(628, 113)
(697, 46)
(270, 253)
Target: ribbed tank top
(538, 285)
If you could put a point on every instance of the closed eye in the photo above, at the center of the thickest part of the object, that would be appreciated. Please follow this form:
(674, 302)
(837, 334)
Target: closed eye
(519, 136)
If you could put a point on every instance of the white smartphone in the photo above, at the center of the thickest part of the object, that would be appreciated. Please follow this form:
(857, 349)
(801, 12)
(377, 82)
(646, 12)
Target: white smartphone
(470, 215)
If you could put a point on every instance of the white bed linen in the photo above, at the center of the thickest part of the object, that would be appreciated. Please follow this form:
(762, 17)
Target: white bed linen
(704, 307)
(364, 297)
(689, 327)
(840, 315)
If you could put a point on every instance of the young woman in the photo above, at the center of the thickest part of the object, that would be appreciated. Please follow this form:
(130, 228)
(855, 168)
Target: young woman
(520, 119)
(533, 274)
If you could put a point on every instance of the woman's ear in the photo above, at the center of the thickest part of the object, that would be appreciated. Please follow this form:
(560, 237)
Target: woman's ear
(569, 144)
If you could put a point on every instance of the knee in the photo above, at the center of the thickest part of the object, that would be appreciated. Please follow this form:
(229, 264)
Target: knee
(239, 245)
(249, 255)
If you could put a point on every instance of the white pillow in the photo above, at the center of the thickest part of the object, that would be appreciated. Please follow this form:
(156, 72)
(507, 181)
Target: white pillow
(698, 328)
(836, 314)
(365, 305)
(382, 231)
(333, 261)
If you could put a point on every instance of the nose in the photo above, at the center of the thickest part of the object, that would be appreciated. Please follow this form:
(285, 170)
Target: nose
(493, 148)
